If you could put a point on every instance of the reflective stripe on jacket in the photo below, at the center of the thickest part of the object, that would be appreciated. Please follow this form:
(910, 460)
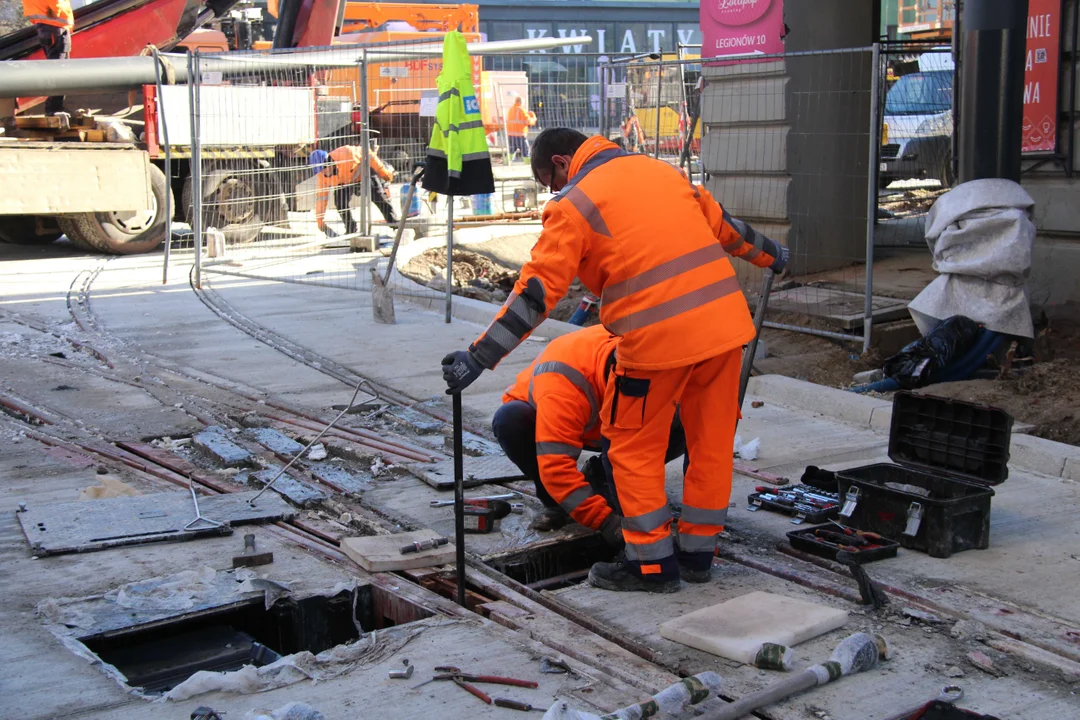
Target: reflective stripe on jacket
(644, 240)
(566, 385)
(49, 12)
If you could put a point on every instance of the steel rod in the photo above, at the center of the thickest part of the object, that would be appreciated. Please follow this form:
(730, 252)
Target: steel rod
(196, 168)
(759, 319)
(459, 500)
(871, 195)
(168, 170)
(449, 255)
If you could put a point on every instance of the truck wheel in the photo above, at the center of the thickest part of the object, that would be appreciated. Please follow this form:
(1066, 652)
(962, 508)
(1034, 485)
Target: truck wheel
(233, 208)
(121, 233)
(22, 230)
(946, 176)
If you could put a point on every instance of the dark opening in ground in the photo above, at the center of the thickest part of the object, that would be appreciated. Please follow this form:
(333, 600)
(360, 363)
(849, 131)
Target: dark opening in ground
(158, 657)
(556, 566)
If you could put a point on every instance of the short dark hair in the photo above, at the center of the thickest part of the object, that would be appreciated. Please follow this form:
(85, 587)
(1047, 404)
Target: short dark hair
(552, 142)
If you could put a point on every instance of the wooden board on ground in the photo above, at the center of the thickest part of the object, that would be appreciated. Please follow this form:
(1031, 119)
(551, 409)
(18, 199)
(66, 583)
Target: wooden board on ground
(736, 629)
(478, 471)
(112, 522)
(382, 553)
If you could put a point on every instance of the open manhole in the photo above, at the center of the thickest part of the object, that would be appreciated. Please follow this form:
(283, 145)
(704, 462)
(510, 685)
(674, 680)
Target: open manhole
(555, 566)
(157, 657)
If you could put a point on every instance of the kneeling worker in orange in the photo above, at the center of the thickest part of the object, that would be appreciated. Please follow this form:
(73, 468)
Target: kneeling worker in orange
(550, 415)
(653, 247)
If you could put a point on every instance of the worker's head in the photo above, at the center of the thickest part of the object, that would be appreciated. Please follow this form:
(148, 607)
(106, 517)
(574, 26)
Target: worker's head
(551, 155)
(518, 100)
(317, 160)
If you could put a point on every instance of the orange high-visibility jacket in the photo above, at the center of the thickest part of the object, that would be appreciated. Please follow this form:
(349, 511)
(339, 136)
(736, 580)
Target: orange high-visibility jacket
(518, 120)
(49, 12)
(644, 240)
(566, 385)
(345, 160)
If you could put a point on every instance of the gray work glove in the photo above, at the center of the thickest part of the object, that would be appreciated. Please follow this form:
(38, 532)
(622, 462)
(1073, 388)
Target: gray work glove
(611, 531)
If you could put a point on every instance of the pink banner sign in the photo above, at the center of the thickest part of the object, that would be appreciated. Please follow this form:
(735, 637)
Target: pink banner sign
(741, 27)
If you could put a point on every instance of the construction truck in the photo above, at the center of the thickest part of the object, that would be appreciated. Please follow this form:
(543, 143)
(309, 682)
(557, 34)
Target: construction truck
(99, 178)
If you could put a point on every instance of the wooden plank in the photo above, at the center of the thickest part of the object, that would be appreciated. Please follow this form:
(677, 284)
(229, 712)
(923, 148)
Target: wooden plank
(382, 553)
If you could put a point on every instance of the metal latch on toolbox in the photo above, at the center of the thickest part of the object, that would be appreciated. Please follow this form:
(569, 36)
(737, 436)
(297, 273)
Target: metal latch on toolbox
(914, 519)
(851, 499)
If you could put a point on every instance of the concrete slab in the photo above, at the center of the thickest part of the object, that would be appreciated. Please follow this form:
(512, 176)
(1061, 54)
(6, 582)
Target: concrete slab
(737, 628)
(274, 440)
(1042, 456)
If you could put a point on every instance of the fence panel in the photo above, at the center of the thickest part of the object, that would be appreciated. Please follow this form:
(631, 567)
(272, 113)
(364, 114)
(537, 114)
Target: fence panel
(917, 158)
(789, 146)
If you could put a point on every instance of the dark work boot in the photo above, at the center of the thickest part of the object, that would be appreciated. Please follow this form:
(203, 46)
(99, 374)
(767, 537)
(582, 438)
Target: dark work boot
(695, 576)
(617, 576)
(550, 518)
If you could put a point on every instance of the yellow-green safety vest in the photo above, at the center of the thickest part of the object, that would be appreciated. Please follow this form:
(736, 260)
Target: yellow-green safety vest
(458, 162)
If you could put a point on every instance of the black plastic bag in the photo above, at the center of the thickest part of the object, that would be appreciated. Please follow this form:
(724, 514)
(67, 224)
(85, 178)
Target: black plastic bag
(921, 361)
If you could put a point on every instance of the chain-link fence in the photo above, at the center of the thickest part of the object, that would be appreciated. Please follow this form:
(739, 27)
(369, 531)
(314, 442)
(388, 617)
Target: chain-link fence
(916, 162)
(302, 160)
(790, 145)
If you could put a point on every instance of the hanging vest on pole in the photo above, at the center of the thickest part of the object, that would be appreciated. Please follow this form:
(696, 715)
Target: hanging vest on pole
(457, 158)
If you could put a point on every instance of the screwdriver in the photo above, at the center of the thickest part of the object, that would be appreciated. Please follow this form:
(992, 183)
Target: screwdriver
(516, 705)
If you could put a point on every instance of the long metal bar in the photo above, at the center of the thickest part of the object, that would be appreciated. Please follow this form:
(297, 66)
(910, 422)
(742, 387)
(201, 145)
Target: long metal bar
(196, 168)
(168, 170)
(365, 152)
(759, 319)
(872, 194)
(30, 78)
(449, 255)
(1071, 159)
(812, 331)
(459, 499)
(659, 92)
(603, 71)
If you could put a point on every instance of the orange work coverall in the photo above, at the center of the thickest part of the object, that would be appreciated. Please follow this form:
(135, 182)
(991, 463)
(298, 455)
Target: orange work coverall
(566, 385)
(519, 120)
(344, 160)
(646, 241)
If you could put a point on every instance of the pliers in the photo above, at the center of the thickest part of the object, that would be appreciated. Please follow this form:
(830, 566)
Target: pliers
(462, 680)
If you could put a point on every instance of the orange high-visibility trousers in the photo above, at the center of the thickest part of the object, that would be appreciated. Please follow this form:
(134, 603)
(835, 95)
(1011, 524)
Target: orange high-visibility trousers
(637, 413)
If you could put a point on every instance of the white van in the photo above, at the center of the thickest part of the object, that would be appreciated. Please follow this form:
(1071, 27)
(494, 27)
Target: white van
(918, 123)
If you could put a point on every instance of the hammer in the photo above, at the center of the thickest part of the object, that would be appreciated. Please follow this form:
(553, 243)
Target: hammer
(250, 558)
(854, 654)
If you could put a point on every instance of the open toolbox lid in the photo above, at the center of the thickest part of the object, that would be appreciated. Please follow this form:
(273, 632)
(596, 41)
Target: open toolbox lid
(953, 437)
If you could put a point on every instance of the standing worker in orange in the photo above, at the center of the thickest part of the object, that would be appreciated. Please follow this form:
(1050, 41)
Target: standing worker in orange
(53, 22)
(518, 122)
(653, 247)
(340, 169)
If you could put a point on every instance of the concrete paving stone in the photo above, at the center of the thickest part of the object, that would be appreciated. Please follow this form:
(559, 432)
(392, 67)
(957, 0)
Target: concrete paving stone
(277, 442)
(287, 486)
(214, 442)
(830, 402)
(1072, 469)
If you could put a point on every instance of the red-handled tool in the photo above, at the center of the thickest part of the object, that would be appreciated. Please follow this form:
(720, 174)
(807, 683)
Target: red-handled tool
(516, 705)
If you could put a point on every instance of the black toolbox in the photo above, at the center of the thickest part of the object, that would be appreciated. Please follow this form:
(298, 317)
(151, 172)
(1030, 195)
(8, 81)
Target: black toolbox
(804, 539)
(937, 497)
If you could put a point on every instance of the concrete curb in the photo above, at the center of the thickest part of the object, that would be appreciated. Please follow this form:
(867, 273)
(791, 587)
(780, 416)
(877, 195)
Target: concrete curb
(1027, 452)
(837, 404)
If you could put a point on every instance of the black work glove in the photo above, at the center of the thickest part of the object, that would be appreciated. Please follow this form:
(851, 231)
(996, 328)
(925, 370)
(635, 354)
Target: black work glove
(459, 370)
(781, 261)
(611, 531)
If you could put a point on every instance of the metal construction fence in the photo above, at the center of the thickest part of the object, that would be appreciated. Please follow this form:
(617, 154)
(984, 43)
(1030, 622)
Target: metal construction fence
(791, 143)
(916, 163)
